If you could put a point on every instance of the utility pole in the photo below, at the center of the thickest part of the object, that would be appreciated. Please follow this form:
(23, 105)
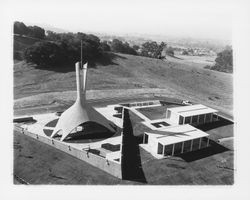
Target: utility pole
(81, 55)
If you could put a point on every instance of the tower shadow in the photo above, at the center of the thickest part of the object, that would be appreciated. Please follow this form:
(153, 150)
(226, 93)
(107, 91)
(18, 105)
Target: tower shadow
(130, 160)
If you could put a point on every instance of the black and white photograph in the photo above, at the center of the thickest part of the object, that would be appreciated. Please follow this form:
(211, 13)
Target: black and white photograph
(125, 93)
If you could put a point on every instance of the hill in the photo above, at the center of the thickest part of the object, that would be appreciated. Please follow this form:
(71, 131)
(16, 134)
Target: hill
(185, 80)
(21, 43)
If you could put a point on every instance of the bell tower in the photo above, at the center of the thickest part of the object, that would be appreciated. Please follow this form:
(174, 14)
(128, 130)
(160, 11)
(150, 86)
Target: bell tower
(77, 113)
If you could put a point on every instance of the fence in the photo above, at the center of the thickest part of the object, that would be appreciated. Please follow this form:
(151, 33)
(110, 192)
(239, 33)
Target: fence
(109, 166)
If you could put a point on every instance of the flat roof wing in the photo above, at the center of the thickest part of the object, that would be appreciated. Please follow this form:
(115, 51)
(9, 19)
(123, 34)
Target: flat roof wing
(192, 110)
(180, 133)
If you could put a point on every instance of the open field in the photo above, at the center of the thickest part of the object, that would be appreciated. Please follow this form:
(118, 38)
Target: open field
(133, 72)
(182, 77)
(202, 60)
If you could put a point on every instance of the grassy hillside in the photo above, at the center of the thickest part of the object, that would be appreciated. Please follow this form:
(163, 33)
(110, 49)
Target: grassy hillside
(20, 43)
(130, 72)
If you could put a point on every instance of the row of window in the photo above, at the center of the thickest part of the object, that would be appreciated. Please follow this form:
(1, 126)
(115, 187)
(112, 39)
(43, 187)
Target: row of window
(198, 119)
(141, 104)
(183, 147)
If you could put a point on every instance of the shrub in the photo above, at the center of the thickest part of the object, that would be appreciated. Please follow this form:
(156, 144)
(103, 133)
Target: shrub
(36, 32)
(48, 53)
(20, 28)
(152, 49)
(223, 62)
(122, 47)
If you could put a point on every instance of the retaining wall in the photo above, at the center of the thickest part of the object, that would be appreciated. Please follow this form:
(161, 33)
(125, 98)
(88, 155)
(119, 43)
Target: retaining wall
(111, 167)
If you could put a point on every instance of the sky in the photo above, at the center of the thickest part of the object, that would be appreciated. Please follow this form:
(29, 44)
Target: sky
(192, 18)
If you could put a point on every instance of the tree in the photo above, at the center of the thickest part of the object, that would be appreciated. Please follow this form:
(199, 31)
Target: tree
(48, 53)
(128, 49)
(104, 46)
(224, 61)
(152, 49)
(136, 47)
(184, 52)
(170, 51)
(117, 46)
(50, 35)
(158, 53)
(36, 32)
(20, 28)
(120, 47)
(65, 48)
(148, 49)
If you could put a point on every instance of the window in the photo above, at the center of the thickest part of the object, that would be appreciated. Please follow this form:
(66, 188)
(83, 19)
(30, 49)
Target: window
(201, 119)
(187, 120)
(208, 118)
(145, 138)
(168, 114)
(196, 143)
(160, 148)
(181, 119)
(168, 150)
(177, 148)
(187, 146)
(160, 124)
(214, 117)
(204, 142)
(195, 119)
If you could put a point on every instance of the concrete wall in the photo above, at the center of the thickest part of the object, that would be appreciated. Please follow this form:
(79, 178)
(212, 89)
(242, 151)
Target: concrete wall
(174, 118)
(144, 103)
(153, 144)
(111, 167)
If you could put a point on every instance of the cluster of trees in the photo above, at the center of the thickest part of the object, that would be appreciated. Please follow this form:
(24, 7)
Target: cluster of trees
(64, 48)
(148, 49)
(122, 47)
(152, 49)
(48, 53)
(168, 51)
(56, 48)
(223, 61)
(185, 52)
(31, 31)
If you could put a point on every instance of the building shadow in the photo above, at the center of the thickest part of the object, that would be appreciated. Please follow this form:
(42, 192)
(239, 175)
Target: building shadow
(130, 160)
(92, 132)
(213, 149)
(209, 126)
